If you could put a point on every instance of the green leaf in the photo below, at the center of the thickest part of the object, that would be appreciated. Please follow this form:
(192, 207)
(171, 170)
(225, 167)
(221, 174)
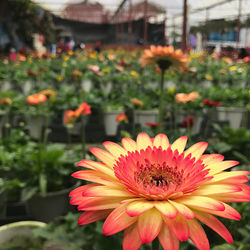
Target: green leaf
(43, 184)
(27, 193)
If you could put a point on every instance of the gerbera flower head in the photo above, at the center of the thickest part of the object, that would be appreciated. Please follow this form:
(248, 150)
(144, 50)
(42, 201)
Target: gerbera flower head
(164, 57)
(121, 118)
(69, 117)
(6, 100)
(51, 94)
(84, 109)
(188, 122)
(136, 102)
(152, 124)
(184, 98)
(36, 99)
(77, 72)
(150, 188)
(211, 103)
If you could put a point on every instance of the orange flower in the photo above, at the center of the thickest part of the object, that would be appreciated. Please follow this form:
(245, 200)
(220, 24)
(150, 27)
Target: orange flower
(164, 57)
(77, 72)
(36, 99)
(122, 118)
(6, 100)
(69, 117)
(137, 103)
(151, 188)
(95, 69)
(184, 98)
(84, 109)
(51, 94)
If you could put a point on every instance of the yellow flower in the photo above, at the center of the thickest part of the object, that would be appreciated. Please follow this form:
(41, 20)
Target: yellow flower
(171, 90)
(77, 72)
(53, 56)
(208, 77)
(106, 70)
(70, 53)
(29, 60)
(66, 58)
(101, 58)
(16, 64)
(51, 94)
(134, 74)
(233, 68)
(59, 78)
(64, 64)
(93, 55)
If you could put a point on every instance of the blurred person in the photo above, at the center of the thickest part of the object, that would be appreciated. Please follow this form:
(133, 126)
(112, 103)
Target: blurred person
(97, 46)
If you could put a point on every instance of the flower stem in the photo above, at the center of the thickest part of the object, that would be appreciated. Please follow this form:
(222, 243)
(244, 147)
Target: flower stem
(83, 136)
(155, 244)
(160, 119)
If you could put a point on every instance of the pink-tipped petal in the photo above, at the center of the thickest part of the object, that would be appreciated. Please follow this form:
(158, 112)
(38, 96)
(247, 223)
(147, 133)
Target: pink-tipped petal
(225, 176)
(214, 224)
(139, 207)
(115, 149)
(143, 141)
(216, 168)
(117, 221)
(167, 239)
(201, 202)
(92, 216)
(211, 158)
(198, 235)
(161, 140)
(178, 226)
(149, 225)
(179, 144)
(129, 144)
(131, 238)
(103, 156)
(196, 150)
(166, 209)
(183, 210)
(105, 191)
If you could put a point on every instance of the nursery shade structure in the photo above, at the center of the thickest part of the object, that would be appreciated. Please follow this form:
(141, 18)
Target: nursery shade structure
(198, 11)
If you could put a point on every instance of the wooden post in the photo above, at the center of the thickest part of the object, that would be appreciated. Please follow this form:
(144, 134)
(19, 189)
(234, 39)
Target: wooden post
(184, 27)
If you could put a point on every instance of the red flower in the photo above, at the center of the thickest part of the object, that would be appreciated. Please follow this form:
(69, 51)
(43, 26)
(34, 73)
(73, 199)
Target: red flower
(84, 109)
(246, 59)
(36, 99)
(188, 122)
(122, 118)
(158, 70)
(32, 73)
(152, 124)
(211, 103)
(122, 63)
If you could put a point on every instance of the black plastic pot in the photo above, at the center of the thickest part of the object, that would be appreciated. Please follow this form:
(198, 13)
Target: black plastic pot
(47, 208)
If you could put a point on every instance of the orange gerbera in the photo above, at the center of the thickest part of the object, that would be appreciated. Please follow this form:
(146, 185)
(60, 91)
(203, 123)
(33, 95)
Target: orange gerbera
(6, 100)
(164, 57)
(151, 188)
(36, 99)
(51, 94)
(77, 72)
(84, 109)
(184, 98)
(122, 118)
(69, 117)
(136, 102)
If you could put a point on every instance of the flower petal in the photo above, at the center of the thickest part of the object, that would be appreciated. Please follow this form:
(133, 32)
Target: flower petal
(99, 203)
(166, 209)
(115, 149)
(143, 141)
(139, 207)
(183, 210)
(104, 191)
(92, 216)
(214, 224)
(179, 144)
(216, 189)
(198, 235)
(117, 221)
(211, 158)
(224, 176)
(196, 150)
(167, 239)
(201, 202)
(149, 225)
(131, 238)
(103, 156)
(161, 140)
(129, 144)
(178, 226)
(220, 166)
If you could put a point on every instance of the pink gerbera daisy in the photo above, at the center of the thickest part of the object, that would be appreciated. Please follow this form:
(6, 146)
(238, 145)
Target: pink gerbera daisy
(150, 188)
